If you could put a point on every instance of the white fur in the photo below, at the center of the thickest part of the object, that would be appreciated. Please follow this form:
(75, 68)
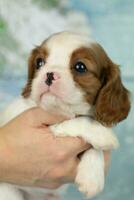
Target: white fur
(92, 182)
(65, 97)
(91, 131)
(10, 192)
(20, 105)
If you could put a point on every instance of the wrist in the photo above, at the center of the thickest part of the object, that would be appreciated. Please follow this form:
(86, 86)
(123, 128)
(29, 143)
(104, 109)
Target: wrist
(5, 157)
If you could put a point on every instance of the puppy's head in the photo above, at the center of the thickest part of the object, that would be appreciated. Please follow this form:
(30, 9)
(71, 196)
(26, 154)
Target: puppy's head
(69, 71)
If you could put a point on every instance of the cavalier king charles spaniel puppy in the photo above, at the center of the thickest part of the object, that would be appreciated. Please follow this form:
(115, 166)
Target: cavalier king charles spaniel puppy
(71, 74)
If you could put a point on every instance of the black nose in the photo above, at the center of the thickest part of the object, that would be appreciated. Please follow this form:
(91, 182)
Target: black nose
(50, 78)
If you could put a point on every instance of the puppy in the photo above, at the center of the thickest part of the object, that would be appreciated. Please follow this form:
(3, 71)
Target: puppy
(72, 75)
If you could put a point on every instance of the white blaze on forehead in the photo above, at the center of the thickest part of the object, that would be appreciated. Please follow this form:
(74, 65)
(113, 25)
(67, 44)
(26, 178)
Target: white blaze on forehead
(61, 45)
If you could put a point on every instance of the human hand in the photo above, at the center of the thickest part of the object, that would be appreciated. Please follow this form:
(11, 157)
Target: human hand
(31, 155)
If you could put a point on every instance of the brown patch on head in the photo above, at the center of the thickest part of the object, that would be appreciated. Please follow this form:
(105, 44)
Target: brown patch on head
(102, 84)
(38, 52)
(92, 80)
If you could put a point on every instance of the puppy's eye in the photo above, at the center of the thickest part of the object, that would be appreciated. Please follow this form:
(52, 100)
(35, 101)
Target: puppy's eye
(40, 62)
(80, 67)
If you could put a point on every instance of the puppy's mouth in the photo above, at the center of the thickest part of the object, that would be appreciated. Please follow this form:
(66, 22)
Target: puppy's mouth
(49, 92)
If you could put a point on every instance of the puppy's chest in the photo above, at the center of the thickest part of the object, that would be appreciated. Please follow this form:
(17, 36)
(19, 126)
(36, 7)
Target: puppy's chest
(53, 104)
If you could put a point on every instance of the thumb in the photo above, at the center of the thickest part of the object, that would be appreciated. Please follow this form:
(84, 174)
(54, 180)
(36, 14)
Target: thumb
(41, 117)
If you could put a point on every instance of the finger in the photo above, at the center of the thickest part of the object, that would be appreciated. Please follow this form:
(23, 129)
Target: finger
(40, 116)
(107, 157)
(76, 145)
(75, 170)
(71, 172)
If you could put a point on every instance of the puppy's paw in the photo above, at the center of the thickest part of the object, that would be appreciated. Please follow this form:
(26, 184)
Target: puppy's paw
(106, 143)
(90, 173)
(104, 140)
(88, 187)
(58, 130)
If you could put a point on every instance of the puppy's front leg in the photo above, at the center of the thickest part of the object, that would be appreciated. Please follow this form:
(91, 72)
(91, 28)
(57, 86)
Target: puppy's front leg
(90, 174)
(91, 131)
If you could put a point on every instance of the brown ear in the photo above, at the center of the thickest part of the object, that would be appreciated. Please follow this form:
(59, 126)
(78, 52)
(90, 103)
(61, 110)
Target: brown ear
(31, 72)
(112, 104)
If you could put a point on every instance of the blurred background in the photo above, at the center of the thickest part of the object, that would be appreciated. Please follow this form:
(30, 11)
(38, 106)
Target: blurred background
(24, 24)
